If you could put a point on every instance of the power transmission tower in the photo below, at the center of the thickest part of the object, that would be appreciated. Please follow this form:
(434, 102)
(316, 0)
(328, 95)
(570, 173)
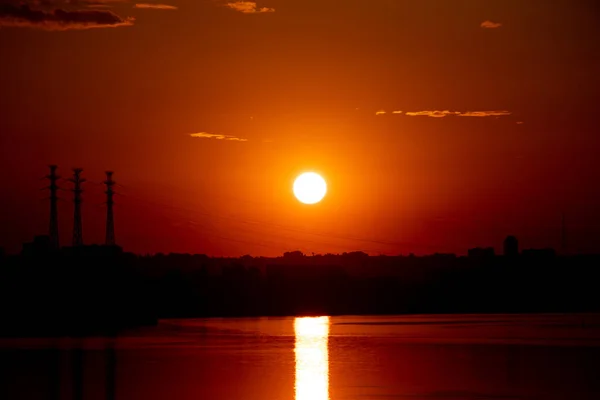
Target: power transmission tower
(53, 228)
(110, 222)
(77, 228)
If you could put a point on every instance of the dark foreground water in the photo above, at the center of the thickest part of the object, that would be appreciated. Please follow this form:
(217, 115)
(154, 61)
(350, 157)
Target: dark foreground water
(406, 357)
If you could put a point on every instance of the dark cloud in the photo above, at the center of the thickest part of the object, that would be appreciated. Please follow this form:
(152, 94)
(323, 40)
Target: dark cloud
(65, 4)
(40, 17)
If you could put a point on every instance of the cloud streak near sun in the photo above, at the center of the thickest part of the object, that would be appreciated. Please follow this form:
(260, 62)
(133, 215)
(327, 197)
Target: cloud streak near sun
(485, 114)
(153, 6)
(490, 25)
(445, 113)
(205, 135)
(433, 114)
(248, 7)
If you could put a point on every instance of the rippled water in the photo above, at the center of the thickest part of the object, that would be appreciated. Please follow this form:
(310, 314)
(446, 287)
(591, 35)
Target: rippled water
(384, 357)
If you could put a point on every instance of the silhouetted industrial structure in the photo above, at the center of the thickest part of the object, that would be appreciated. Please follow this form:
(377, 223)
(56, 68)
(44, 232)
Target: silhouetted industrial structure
(77, 225)
(53, 228)
(110, 223)
(77, 240)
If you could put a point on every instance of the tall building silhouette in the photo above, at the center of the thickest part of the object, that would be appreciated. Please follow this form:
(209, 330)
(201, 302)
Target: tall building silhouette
(53, 227)
(511, 246)
(77, 225)
(110, 221)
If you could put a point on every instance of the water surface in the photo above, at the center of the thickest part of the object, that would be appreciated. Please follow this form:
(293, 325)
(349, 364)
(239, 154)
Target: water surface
(325, 358)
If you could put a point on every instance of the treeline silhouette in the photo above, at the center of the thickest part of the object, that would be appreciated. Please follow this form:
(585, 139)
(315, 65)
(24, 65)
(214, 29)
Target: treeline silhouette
(355, 283)
(102, 289)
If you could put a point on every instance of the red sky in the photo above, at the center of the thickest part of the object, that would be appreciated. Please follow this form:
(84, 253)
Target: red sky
(497, 132)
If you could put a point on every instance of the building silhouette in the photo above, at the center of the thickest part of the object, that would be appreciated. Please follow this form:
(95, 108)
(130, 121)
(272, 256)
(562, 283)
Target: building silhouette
(547, 253)
(481, 253)
(511, 246)
(41, 245)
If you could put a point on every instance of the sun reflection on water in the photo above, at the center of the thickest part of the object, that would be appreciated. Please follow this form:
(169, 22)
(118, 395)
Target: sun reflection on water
(312, 358)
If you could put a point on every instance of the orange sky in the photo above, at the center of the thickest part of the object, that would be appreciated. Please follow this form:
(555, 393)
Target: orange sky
(497, 132)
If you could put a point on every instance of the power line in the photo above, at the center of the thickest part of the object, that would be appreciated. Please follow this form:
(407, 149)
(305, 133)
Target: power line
(286, 228)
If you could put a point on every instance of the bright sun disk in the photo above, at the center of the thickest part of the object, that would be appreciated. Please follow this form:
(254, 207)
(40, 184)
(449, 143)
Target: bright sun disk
(310, 188)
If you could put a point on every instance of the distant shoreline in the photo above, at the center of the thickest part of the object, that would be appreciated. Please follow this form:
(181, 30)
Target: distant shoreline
(80, 291)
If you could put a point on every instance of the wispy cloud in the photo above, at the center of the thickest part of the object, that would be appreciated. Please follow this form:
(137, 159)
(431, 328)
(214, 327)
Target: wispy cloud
(490, 25)
(22, 15)
(445, 113)
(485, 114)
(248, 7)
(433, 114)
(205, 135)
(396, 112)
(155, 6)
(380, 112)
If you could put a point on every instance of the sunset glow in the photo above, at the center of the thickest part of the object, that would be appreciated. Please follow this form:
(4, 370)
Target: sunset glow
(312, 358)
(438, 126)
(399, 175)
(310, 188)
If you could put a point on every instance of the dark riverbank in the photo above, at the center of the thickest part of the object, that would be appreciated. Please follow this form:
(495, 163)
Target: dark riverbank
(100, 290)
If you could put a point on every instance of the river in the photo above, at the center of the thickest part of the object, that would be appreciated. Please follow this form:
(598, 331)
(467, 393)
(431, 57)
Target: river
(446, 357)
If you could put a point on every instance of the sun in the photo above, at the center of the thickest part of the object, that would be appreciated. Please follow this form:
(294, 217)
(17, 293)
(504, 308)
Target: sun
(310, 188)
